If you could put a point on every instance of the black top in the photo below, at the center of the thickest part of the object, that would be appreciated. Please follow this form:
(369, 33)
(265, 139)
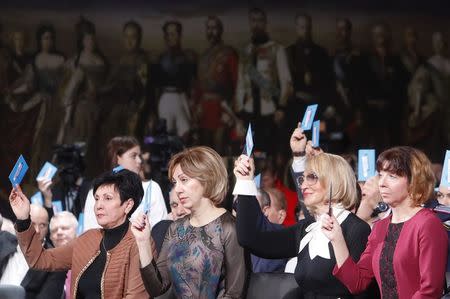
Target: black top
(89, 286)
(159, 232)
(389, 283)
(313, 276)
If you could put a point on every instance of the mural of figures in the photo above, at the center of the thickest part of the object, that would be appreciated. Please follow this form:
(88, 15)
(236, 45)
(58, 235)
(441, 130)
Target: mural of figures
(386, 91)
(264, 83)
(126, 90)
(83, 93)
(175, 75)
(38, 92)
(217, 77)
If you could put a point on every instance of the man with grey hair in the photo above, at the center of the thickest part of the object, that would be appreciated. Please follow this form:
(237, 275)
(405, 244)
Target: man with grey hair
(63, 228)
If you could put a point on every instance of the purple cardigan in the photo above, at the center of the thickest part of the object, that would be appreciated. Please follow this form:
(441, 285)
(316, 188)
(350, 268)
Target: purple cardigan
(420, 258)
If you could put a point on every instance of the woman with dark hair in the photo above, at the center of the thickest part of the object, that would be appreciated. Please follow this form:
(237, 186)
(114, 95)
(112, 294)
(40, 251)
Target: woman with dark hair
(407, 251)
(125, 152)
(200, 255)
(38, 90)
(104, 262)
(83, 93)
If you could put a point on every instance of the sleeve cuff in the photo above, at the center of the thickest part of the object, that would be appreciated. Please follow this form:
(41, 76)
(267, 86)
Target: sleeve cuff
(23, 225)
(245, 187)
(298, 164)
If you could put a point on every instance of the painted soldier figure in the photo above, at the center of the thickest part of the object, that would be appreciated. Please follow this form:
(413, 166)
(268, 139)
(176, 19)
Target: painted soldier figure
(174, 76)
(264, 83)
(386, 92)
(217, 77)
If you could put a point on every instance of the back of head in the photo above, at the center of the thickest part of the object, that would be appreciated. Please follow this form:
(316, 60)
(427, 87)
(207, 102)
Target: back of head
(206, 165)
(277, 198)
(334, 170)
(127, 183)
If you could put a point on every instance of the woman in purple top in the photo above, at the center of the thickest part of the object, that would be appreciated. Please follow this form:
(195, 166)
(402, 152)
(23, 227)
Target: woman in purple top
(407, 251)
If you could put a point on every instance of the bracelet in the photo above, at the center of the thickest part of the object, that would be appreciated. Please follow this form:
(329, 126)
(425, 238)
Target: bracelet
(299, 154)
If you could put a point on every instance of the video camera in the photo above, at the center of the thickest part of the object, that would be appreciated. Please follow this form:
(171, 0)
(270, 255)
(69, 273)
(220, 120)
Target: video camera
(70, 160)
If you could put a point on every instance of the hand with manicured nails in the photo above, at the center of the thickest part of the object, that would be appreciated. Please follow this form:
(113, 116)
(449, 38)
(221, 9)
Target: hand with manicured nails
(244, 168)
(298, 140)
(140, 227)
(19, 203)
(331, 228)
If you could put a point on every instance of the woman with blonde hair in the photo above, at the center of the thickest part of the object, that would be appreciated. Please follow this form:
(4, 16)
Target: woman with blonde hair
(200, 255)
(407, 251)
(328, 185)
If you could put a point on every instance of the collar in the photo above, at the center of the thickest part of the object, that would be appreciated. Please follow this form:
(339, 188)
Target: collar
(316, 240)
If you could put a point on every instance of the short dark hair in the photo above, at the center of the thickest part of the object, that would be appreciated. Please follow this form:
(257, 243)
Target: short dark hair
(137, 27)
(217, 20)
(258, 11)
(304, 16)
(42, 29)
(347, 22)
(126, 182)
(177, 24)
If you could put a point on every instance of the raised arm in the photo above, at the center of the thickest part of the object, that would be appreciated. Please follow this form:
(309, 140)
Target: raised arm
(154, 274)
(249, 217)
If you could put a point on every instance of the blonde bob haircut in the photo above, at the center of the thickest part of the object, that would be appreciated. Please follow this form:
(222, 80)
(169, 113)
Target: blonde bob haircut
(334, 169)
(205, 165)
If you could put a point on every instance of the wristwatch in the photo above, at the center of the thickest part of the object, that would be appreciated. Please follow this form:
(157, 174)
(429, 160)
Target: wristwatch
(380, 208)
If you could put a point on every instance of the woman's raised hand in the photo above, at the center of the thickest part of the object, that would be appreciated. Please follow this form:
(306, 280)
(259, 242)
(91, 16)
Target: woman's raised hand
(19, 203)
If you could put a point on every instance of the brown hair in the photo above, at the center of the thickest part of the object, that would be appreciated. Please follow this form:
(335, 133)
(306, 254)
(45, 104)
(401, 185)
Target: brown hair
(413, 164)
(206, 165)
(277, 198)
(117, 146)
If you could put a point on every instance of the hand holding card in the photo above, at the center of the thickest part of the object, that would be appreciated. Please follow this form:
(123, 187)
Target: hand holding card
(249, 141)
(18, 172)
(366, 164)
(316, 134)
(445, 177)
(19, 203)
(47, 172)
(308, 118)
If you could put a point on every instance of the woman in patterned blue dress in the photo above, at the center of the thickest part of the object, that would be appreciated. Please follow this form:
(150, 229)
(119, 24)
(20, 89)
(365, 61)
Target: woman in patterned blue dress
(200, 255)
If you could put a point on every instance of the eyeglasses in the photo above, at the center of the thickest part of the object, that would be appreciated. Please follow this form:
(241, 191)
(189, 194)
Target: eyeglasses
(441, 195)
(310, 178)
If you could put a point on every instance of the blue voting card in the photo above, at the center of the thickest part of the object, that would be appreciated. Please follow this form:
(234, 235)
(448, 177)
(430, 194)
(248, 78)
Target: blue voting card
(249, 141)
(316, 133)
(147, 198)
(445, 177)
(57, 206)
(47, 172)
(117, 169)
(18, 172)
(366, 164)
(309, 117)
(80, 227)
(257, 181)
(37, 199)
